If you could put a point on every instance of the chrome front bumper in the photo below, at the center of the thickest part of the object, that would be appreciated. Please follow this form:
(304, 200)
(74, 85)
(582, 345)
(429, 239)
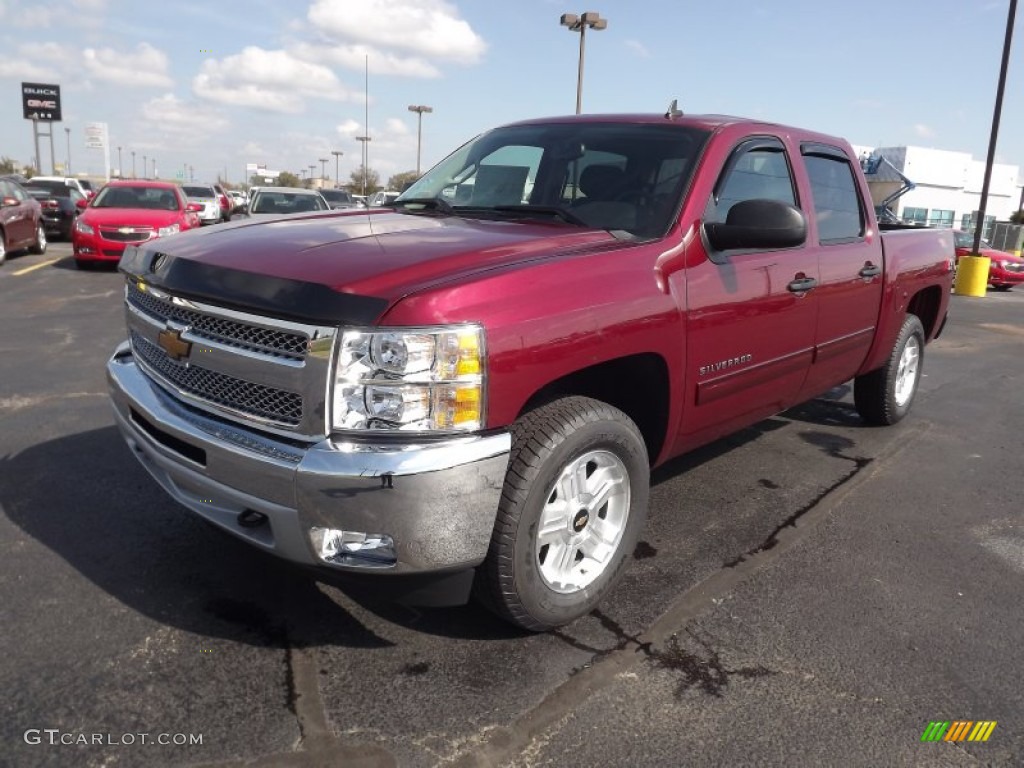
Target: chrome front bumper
(437, 500)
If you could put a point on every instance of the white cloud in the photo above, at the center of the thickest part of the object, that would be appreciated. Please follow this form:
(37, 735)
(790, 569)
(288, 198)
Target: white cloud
(170, 114)
(39, 62)
(146, 67)
(349, 129)
(427, 27)
(396, 127)
(923, 131)
(638, 48)
(271, 80)
(90, 5)
(356, 56)
(28, 18)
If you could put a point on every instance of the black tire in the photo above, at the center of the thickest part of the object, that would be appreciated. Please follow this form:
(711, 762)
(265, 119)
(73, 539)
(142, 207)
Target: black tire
(571, 433)
(1002, 288)
(39, 247)
(3, 247)
(885, 396)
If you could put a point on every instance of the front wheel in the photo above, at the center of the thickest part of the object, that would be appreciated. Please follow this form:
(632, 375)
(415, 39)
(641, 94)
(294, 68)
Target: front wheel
(571, 511)
(884, 396)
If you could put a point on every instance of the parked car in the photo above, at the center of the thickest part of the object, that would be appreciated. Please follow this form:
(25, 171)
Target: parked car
(1005, 269)
(129, 213)
(383, 198)
(207, 197)
(283, 201)
(239, 200)
(81, 185)
(59, 202)
(87, 185)
(473, 394)
(21, 221)
(339, 199)
(227, 207)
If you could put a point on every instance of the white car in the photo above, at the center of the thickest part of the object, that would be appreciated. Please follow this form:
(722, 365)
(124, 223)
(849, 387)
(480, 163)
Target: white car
(283, 201)
(384, 197)
(206, 196)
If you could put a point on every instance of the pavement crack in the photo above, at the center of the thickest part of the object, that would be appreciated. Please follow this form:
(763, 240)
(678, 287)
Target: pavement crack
(705, 672)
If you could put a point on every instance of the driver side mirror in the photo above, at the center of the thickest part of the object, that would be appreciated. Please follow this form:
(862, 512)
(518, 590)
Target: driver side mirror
(758, 224)
(82, 203)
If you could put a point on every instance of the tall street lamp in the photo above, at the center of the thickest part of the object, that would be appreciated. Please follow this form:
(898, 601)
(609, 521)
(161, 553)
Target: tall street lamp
(120, 168)
(312, 168)
(133, 163)
(323, 163)
(362, 140)
(419, 109)
(145, 167)
(337, 153)
(154, 167)
(593, 20)
(67, 171)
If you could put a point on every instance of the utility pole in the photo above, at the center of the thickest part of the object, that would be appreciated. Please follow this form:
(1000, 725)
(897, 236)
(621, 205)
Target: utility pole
(337, 153)
(419, 109)
(362, 140)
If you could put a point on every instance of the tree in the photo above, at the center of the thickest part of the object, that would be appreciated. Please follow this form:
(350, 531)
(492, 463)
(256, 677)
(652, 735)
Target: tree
(1017, 217)
(372, 181)
(401, 181)
(288, 179)
(7, 165)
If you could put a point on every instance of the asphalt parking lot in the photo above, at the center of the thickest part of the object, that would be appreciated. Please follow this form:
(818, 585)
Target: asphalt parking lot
(810, 591)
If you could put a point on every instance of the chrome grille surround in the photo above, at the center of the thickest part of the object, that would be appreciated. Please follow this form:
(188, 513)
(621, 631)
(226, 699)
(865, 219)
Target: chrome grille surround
(239, 367)
(249, 336)
(134, 235)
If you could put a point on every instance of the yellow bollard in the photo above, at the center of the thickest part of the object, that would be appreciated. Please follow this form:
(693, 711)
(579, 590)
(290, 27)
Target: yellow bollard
(971, 276)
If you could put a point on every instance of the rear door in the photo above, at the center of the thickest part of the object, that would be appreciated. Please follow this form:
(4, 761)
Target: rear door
(751, 313)
(849, 289)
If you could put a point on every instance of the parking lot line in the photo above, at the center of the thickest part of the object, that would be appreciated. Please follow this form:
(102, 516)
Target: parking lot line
(26, 270)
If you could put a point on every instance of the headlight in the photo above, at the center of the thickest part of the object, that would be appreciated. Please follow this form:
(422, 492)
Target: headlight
(171, 230)
(424, 379)
(84, 228)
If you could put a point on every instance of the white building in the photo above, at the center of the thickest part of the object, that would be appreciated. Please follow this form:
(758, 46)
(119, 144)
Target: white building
(948, 185)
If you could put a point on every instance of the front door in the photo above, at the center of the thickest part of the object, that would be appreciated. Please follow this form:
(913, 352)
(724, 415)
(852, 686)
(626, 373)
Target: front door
(751, 314)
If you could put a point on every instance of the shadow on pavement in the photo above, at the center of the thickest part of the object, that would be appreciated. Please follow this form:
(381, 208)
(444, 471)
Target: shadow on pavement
(86, 498)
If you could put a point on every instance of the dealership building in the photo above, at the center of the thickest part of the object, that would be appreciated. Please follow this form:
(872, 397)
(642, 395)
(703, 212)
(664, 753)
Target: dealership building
(947, 185)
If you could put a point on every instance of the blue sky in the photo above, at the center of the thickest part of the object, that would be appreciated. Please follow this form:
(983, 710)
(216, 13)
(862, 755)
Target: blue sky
(220, 83)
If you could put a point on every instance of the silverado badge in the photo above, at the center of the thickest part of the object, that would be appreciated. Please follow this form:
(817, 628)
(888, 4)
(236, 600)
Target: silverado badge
(171, 343)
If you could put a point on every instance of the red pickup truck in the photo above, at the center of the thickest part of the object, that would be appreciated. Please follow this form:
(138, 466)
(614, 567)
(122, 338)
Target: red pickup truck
(468, 389)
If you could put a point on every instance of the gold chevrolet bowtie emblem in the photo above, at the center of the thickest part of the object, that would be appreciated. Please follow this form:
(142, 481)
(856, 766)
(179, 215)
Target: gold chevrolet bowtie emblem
(171, 343)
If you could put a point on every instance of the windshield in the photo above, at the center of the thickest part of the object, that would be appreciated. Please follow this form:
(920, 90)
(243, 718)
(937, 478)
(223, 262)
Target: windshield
(614, 176)
(48, 189)
(149, 198)
(193, 191)
(286, 202)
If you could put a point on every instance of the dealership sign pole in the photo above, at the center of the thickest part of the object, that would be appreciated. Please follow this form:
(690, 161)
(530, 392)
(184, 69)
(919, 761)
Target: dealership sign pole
(40, 103)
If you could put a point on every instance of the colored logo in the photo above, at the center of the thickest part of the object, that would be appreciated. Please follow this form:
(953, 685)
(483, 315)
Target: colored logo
(958, 730)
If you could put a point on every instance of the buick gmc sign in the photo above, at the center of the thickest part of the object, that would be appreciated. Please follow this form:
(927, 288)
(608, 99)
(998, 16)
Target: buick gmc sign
(40, 101)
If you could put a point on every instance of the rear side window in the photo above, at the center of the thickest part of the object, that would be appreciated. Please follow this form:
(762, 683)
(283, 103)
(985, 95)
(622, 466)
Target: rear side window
(837, 206)
(757, 170)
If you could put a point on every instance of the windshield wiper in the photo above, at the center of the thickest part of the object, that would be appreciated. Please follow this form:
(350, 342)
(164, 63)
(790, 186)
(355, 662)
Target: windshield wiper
(553, 211)
(425, 203)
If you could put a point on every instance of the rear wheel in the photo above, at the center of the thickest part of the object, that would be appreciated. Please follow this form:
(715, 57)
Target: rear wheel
(1002, 287)
(884, 396)
(40, 245)
(572, 509)
(3, 247)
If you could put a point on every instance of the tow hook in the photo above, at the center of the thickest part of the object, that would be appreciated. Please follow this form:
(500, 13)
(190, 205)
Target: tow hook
(250, 518)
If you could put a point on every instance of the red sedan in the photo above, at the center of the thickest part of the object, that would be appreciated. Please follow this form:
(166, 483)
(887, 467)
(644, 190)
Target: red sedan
(129, 212)
(1005, 270)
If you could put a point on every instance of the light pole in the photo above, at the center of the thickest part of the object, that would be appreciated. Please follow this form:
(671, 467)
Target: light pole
(154, 167)
(337, 153)
(312, 168)
(419, 109)
(145, 167)
(593, 20)
(120, 168)
(323, 163)
(362, 140)
(133, 163)
(67, 171)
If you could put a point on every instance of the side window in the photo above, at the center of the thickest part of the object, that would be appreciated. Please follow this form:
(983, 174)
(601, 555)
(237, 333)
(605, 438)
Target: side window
(837, 203)
(757, 170)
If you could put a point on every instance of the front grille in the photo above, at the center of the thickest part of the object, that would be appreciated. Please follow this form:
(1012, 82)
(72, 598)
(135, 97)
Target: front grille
(126, 237)
(263, 402)
(112, 252)
(232, 333)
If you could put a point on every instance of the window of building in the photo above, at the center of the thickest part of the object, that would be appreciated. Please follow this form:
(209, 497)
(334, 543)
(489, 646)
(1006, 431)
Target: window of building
(967, 223)
(940, 218)
(915, 215)
(836, 202)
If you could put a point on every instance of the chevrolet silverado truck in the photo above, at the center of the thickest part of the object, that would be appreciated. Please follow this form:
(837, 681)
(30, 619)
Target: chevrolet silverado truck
(466, 390)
